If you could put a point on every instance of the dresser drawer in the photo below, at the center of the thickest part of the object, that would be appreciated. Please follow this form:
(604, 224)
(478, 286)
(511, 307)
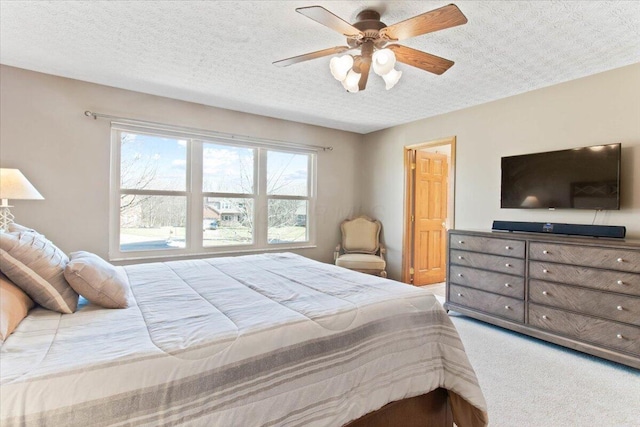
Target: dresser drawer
(499, 283)
(609, 258)
(622, 308)
(500, 264)
(586, 328)
(489, 245)
(498, 305)
(606, 280)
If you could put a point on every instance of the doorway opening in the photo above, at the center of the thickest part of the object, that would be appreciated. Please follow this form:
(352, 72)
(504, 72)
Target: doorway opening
(429, 210)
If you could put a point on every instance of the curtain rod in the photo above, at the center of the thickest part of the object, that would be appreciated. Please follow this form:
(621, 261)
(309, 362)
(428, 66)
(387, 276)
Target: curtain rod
(204, 132)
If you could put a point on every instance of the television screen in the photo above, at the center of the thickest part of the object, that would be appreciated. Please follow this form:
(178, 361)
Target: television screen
(579, 178)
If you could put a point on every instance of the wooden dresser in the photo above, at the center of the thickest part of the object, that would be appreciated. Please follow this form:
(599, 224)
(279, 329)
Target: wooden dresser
(582, 293)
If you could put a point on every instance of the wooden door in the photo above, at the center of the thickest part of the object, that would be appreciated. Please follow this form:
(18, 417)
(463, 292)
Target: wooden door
(430, 215)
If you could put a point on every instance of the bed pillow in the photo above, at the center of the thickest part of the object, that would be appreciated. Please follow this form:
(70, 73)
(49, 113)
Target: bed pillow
(36, 266)
(16, 228)
(14, 306)
(97, 280)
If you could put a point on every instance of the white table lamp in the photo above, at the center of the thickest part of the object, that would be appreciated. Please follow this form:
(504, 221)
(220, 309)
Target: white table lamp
(14, 185)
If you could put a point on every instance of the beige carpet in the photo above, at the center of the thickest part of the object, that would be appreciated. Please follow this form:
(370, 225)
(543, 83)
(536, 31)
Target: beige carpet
(438, 289)
(528, 382)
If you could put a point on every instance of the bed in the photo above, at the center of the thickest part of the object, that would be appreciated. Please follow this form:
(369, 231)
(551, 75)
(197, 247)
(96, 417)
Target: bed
(257, 340)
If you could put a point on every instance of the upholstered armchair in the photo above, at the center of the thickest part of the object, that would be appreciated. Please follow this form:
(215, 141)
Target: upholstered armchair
(360, 249)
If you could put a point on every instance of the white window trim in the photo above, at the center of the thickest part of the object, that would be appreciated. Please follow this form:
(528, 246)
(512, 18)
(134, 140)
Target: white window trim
(195, 197)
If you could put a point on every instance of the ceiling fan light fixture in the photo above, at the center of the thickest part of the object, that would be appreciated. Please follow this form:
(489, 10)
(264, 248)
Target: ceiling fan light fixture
(340, 66)
(391, 78)
(351, 82)
(383, 61)
(370, 35)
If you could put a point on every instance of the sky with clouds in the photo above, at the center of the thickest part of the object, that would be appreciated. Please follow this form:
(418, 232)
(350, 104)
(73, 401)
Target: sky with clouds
(226, 168)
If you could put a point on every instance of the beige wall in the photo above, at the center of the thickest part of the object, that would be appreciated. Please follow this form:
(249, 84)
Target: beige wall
(599, 109)
(44, 133)
(65, 155)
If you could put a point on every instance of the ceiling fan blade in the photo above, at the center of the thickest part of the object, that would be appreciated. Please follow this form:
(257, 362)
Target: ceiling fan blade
(417, 58)
(435, 20)
(311, 55)
(328, 19)
(364, 71)
(363, 63)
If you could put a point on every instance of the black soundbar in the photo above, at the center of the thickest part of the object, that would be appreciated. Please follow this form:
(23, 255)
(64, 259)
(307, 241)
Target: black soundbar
(614, 231)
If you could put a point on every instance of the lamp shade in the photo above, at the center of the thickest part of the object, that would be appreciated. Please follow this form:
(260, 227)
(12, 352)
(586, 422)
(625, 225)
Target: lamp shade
(391, 78)
(351, 82)
(14, 185)
(340, 66)
(383, 61)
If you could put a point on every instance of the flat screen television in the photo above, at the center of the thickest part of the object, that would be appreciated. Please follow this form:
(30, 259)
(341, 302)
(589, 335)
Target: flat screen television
(579, 178)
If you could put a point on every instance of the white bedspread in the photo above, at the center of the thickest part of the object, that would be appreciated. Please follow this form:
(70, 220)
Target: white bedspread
(259, 340)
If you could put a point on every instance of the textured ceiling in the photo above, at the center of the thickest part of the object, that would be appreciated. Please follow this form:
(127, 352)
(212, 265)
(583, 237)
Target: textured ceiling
(220, 53)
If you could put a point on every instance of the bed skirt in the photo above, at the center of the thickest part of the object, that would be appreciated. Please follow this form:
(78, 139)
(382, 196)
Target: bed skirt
(427, 410)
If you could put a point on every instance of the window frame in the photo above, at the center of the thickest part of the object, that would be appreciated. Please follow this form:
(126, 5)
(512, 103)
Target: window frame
(195, 196)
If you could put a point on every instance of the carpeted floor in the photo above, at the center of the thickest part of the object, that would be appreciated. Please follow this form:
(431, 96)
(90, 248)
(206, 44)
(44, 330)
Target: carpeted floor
(528, 382)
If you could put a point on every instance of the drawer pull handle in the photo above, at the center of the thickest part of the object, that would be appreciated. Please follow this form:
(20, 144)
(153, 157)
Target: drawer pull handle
(507, 247)
(620, 308)
(460, 275)
(507, 307)
(460, 257)
(620, 282)
(545, 271)
(545, 293)
(544, 316)
(545, 252)
(620, 260)
(507, 285)
(507, 265)
(461, 242)
(619, 336)
(459, 294)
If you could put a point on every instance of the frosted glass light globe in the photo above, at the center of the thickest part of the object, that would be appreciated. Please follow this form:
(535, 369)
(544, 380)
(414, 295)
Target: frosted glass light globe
(391, 78)
(340, 66)
(351, 82)
(383, 61)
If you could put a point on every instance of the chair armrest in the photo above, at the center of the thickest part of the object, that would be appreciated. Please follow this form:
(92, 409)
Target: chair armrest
(383, 251)
(336, 253)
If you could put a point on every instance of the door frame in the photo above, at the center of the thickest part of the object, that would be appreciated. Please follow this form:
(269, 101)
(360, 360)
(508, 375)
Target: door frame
(409, 184)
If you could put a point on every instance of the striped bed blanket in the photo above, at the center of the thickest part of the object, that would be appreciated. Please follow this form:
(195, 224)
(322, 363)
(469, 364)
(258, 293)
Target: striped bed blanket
(258, 340)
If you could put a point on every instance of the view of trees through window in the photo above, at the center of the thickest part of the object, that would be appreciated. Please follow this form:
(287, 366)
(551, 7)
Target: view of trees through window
(155, 194)
(287, 178)
(153, 204)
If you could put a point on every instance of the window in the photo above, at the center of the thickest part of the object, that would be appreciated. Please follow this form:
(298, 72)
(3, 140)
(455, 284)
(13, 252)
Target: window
(176, 194)
(287, 190)
(153, 190)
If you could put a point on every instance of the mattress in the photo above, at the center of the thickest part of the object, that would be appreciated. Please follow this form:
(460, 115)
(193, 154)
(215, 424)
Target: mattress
(258, 340)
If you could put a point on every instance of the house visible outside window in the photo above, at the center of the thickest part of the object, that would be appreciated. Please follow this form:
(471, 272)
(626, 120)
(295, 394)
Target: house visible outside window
(175, 194)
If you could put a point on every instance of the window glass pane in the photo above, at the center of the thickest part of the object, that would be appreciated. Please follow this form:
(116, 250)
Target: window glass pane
(152, 222)
(287, 173)
(227, 169)
(288, 221)
(227, 221)
(152, 163)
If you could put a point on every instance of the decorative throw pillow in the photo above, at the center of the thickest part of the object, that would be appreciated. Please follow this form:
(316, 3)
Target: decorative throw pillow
(97, 280)
(14, 306)
(36, 266)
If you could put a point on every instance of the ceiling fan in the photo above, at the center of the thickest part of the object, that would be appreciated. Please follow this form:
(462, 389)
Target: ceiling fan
(372, 36)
